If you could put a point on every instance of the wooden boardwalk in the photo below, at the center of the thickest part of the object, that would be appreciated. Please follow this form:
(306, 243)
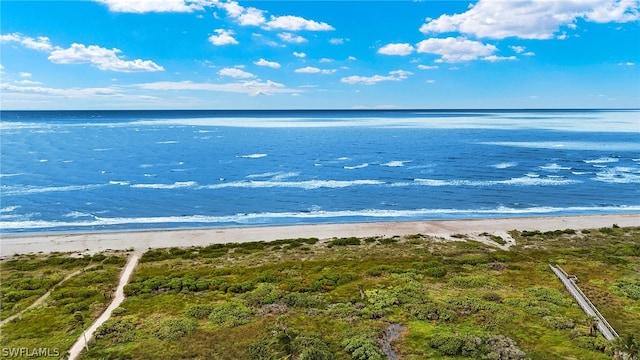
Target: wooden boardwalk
(570, 283)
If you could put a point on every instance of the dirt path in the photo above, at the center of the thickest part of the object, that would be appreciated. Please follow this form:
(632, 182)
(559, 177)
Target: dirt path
(80, 344)
(39, 301)
(392, 332)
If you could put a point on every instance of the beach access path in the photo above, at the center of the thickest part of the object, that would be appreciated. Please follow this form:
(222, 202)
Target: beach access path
(119, 297)
(143, 240)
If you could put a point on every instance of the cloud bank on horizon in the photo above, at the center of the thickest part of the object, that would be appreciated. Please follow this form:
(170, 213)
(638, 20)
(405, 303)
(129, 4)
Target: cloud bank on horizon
(219, 54)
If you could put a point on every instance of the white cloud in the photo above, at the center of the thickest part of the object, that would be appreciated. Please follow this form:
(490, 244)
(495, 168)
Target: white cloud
(255, 17)
(533, 19)
(271, 64)
(314, 70)
(224, 37)
(41, 43)
(236, 73)
(252, 87)
(338, 41)
(103, 59)
(290, 38)
(144, 6)
(396, 49)
(70, 93)
(28, 82)
(427, 67)
(430, 81)
(628, 63)
(495, 58)
(299, 54)
(296, 23)
(326, 60)
(251, 16)
(397, 75)
(455, 49)
(521, 50)
(352, 58)
(25, 74)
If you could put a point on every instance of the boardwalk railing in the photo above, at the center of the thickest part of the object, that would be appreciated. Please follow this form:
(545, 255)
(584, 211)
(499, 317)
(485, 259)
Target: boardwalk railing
(569, 282)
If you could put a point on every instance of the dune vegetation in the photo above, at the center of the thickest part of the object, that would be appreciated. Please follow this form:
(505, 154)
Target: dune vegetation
(412, 297)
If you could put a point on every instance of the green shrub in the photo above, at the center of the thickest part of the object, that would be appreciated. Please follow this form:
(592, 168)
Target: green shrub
(559, 322)
(173, 329)
(362, 347)
(549, 295)
(263, 294)
(302, 300)
(343, 311)
(436, 271)
(117, 330)
(630, 289)
(344, 241)
(230, 314)
(472, 281)
(200, 311)
(454, 345)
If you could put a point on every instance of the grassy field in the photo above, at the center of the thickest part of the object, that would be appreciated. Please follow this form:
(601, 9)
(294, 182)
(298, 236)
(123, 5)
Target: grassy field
(72, 304)
(336, 299)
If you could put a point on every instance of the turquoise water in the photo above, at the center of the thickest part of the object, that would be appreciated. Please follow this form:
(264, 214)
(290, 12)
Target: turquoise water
(113, 170)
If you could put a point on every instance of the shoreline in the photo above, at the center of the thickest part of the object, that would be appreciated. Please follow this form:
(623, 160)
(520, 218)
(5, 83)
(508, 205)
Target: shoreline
(93, 242)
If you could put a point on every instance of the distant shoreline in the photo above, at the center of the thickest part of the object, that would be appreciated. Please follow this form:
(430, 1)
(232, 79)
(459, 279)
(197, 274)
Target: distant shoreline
(93, 242)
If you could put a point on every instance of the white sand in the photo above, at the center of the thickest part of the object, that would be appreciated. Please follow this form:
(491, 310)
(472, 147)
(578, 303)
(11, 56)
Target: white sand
(142, 240)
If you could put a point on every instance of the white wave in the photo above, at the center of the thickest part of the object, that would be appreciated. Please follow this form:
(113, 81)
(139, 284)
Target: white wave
(636, 160)
(150, 175)
(44, 160)
(570, 145)
(554, 167)
(363, 165)
(619, 175)
(344, 158)
(580, 172)
(602, 160)
(305, 184)
(9, 209)
(251, 156)
(504, 165)
(176, 185)
(534, 175)
(395, 163)
(313, 214)
(78, 214)
(167, 142)
(11, 175)
(520, 181)
(102, 149)
(116, 182)
(28, 190)
(145, 166)
(280, 175)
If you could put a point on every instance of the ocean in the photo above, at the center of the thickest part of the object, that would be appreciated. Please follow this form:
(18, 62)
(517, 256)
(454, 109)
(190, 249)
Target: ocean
(86, 171)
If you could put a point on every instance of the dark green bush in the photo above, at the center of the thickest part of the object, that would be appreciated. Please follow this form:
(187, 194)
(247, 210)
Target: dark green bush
(362, 347)
(173, 329)
(230, 314)
(344, 241)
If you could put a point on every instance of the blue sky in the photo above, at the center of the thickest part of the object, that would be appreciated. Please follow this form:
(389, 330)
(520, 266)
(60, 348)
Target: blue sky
(219, 54)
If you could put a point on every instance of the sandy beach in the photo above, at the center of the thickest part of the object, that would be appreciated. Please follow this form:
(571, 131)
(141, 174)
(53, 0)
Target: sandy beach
(142, 240)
